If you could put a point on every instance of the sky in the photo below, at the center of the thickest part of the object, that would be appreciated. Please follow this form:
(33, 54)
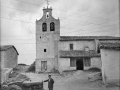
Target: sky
(77, 18)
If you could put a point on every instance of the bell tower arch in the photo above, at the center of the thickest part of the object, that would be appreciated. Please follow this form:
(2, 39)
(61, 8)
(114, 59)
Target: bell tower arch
(47, 40)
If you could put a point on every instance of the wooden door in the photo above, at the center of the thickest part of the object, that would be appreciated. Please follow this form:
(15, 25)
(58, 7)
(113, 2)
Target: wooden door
(43, 65)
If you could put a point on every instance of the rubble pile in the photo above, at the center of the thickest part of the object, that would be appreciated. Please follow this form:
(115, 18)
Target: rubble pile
(15, 76)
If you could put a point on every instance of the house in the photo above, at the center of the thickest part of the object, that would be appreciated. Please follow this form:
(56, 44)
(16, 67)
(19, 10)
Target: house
(21, 67)
(8, 56)
(110, 56)
(55, 52)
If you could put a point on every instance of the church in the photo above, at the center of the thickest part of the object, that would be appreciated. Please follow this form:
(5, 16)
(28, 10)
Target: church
(55, 52)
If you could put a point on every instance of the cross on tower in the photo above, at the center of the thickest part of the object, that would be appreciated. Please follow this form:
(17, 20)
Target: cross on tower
(47, 3)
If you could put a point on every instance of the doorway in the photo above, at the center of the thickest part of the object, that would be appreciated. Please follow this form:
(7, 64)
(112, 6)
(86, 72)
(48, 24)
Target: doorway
(43, 65)
(79, 64)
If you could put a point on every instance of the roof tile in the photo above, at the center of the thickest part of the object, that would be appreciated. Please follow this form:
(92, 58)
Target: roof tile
(6, 47)
(110, 45)
(72, 38)
(79, 53)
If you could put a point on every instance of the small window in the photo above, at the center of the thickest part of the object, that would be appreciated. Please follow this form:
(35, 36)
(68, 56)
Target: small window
(71, 46)
(45, 50)
(72, 62)
(44, 27)
(52, 26)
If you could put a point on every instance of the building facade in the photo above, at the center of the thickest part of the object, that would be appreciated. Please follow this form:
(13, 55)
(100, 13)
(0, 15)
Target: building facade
(8, 56)
(55, 52)
(47, 40)
(110, 56)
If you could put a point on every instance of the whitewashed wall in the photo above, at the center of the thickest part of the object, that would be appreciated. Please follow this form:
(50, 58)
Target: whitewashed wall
(64, 64)
(77, 45)
(96, 62)
(110, 65)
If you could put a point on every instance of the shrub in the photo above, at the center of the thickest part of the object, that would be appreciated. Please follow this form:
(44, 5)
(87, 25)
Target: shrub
(94, 69)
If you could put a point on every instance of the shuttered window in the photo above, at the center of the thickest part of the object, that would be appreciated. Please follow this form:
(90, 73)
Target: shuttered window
(87, 62)
(72, 62)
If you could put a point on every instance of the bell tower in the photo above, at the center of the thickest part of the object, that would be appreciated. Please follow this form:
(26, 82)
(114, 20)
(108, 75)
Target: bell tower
(47, 40)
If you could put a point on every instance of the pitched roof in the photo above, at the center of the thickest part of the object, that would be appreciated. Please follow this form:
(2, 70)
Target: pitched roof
(6, 47)
(75, 38)
(110, 45)
(78, 53)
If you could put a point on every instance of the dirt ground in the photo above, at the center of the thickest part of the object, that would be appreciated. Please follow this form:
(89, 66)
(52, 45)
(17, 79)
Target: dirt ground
(72, 81)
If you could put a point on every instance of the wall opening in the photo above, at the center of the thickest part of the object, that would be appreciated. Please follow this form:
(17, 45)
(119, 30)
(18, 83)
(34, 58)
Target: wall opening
(72, 62)
(44, 27)
(47, 14)
(52, 26)
(79, 64)
(71, 46)
(45, 50)
(43, 65)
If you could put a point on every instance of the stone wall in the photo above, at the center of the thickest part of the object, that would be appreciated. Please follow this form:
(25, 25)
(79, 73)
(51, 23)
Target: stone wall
(50, 65)
(96, 62)
(9, 58)
(77, 45)
(64, 64)
(2, 57)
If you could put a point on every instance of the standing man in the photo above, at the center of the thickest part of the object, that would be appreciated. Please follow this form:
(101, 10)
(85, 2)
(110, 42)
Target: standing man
(50, 82)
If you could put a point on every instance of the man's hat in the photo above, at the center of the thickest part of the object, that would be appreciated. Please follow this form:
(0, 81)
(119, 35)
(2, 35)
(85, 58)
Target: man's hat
(49, 75)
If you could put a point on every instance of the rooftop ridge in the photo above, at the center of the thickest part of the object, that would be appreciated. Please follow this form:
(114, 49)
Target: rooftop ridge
(67, 38)
(6, 47)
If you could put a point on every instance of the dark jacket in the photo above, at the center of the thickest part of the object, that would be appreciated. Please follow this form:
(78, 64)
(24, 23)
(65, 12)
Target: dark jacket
(50, 83)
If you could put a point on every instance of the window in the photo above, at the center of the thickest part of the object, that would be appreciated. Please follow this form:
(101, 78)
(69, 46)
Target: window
(72, 62)
(52, 26)
(71, 46)
(87, 48)
(45, 50)
(44, 27)
(87, 62)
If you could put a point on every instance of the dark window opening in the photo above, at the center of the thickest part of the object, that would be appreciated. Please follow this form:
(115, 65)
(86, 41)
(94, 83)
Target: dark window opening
(71, 46)
(44, 27)
(45, 50)
(52, 26)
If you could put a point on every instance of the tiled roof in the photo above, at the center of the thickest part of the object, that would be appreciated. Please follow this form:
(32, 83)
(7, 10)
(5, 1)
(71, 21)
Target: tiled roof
(6, 47)
(72, 38)
(108, 45)
(78, 53)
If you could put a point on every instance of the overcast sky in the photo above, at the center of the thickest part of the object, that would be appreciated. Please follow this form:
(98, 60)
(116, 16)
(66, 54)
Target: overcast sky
(77, 18)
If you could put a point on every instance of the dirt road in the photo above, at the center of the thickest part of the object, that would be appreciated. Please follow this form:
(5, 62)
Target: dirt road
(76, 81)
